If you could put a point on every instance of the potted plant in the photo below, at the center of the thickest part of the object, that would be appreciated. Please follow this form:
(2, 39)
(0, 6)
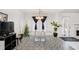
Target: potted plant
(26, 31)
(55, 27)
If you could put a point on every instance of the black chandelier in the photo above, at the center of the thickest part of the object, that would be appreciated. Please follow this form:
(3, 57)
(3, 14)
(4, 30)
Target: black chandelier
(42, 20)
(39, 17)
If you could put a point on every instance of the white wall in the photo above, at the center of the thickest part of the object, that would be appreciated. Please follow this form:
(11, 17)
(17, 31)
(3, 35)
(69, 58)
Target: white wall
(31, 23)
(70, 20)
(17, 17)
(21, 19)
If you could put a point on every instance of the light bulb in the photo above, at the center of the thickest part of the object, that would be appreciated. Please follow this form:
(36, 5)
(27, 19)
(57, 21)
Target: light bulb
(39, 17)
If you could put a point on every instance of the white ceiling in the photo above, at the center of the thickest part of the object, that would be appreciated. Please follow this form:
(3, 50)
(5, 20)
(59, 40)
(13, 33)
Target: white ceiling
(43, 11)
(50, 10)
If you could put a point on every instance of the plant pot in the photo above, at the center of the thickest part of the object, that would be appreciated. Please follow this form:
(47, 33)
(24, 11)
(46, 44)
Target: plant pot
(55, 34)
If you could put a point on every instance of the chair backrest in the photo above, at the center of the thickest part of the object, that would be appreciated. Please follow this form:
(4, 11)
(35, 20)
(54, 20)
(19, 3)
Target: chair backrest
(21, 36)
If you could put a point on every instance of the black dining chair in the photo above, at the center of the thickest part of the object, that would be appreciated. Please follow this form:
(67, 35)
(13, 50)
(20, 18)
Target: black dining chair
(19, 38)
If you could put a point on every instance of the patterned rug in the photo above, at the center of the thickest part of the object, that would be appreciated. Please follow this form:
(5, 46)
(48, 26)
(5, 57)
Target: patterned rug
(40, 43)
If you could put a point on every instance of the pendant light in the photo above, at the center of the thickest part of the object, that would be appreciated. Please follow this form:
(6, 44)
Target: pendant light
(39, 17)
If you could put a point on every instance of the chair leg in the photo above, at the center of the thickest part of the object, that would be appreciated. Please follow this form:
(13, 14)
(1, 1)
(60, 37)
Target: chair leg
(17, 42)
(20, 40)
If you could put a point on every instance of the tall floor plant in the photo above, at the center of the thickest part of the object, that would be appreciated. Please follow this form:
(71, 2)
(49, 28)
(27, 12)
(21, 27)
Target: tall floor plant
(26, 31)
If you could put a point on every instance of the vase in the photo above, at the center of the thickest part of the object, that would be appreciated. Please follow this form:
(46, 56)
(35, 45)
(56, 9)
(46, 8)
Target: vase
(55, 34)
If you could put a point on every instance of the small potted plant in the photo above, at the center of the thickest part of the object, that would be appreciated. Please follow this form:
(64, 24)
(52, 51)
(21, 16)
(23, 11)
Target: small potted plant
(55, 27)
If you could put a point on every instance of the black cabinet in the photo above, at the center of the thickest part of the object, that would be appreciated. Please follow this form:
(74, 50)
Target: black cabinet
(9, 41)
(7, 35)
(8, 47)
(13, 45)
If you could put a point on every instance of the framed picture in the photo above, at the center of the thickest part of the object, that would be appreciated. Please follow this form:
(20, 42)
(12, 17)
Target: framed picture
(3, 16)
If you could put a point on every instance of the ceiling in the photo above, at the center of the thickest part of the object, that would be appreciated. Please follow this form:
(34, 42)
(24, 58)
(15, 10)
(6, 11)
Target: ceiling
(50, 10)
(43, 11)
